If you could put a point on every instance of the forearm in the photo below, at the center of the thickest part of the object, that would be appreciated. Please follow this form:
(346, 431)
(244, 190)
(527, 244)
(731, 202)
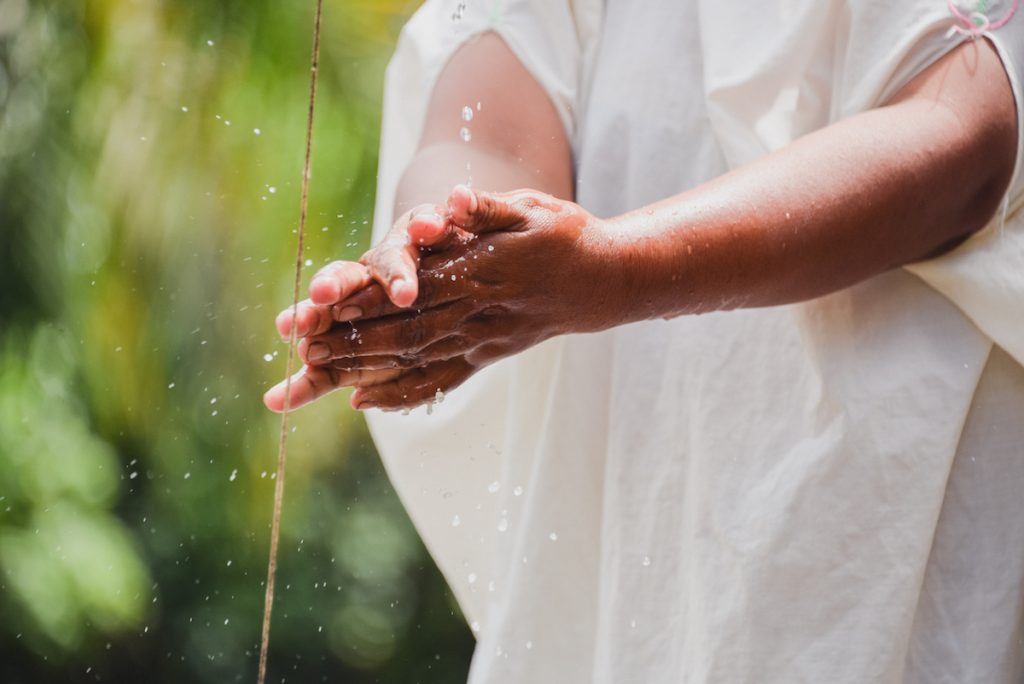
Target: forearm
(865, 195)
(438, 167)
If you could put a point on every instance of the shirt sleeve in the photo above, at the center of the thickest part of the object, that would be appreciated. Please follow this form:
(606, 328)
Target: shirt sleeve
(887, 45)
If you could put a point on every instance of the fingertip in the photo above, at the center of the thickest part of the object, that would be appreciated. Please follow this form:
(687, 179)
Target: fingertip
(462, 204)
(425, 229)
(403, 292)
(273, 398)
(283, 322)
(324, 290)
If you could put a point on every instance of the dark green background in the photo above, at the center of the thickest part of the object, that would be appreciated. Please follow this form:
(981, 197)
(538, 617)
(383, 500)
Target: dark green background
(145, 250)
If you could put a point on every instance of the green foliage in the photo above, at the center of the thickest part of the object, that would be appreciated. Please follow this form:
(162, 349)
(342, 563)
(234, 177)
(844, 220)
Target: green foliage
(150, 153)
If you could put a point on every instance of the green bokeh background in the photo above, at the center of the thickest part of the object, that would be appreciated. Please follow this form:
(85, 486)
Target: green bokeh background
(150, 157)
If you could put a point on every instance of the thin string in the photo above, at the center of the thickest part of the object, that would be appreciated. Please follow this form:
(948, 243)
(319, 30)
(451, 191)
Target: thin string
(275, 527)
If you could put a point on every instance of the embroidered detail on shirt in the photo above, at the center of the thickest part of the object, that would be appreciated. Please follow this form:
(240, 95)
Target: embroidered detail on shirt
(976, 22)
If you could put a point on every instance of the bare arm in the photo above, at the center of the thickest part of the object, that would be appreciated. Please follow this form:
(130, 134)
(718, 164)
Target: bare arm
(884, 188)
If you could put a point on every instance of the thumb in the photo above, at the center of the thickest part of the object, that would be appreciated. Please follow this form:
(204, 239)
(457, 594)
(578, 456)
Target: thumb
(483, 212)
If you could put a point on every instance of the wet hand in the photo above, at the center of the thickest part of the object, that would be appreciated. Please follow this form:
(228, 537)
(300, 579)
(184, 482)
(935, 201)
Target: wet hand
(503, 272)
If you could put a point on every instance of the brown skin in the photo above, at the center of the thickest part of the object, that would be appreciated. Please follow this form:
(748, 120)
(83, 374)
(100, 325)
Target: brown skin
(891, 186)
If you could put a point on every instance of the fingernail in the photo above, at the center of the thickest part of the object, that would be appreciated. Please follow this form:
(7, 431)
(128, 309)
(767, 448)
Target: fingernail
(398, 285)
(318, 351)
(431, 216)
(349, 313)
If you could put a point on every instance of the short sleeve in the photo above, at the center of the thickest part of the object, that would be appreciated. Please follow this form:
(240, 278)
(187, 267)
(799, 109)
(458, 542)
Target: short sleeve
(888, 44)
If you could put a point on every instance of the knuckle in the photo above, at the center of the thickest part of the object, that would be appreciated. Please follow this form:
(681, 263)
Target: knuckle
(489, 315)
(407, 361)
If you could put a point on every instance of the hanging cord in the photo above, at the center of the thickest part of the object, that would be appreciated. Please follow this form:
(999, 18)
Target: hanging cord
(275, 527)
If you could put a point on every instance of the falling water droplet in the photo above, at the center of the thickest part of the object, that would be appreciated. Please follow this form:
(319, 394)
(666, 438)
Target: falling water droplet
(456, 521)
(465, 134)
(518, 491)
(503, 525)
(231, 478)
(494, 487)
(553, 536)
(467, 113)
(268, 357)
(646, 561)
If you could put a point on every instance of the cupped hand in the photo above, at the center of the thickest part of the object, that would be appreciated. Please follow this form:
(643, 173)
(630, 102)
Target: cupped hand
(391, 266)
(502, 273)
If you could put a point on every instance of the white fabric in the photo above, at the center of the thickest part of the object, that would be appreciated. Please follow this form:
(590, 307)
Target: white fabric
(824, 492)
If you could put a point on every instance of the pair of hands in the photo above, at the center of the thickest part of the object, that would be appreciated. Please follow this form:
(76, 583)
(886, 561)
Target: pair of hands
(449, 290)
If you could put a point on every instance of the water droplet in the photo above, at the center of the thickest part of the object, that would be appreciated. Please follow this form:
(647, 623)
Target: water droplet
(272, 189)
(646, 561)
(256, 131)
(214, 400)
(467, 113)
(227, 620)
(188, 475)
(133, 475)
(494, 487)
(184, 109)
(171, 386)
(471, 578)
(229, 564)
(503, 525)
(529, 645)
(268, 357)
(490, 248)
(518, 491)
(553, 536)
(309, 262)
(456, 521)
(465, 134)
(438, 396)
(231, 478)
(210, 43)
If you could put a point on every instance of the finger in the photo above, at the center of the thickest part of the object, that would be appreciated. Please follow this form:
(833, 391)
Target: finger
(391, 336)
(414, 387)
(484, 212)
(434, 288)
(311, 383)
(394, 262)
(309, 320)
(435, 232)
(336, 281)
(443, 350)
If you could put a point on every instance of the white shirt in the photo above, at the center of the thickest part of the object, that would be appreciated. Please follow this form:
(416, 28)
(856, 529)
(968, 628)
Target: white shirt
(825, 492)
